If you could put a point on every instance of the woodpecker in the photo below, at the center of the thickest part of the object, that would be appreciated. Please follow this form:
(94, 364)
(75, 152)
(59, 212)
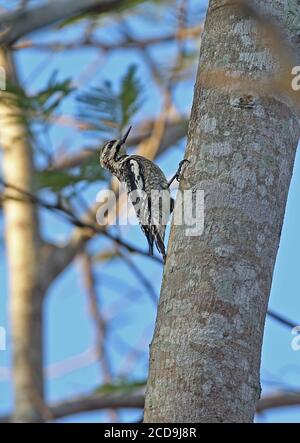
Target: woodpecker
(142, 177)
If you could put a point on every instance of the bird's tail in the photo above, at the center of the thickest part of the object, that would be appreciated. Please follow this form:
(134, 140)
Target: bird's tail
(147, 231)
(158, 234)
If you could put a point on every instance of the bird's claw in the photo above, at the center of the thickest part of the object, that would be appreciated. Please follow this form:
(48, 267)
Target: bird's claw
(179, 174)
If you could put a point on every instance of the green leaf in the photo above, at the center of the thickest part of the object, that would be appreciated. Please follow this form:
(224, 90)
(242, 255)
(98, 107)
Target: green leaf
(39, 106)
(107, 111)
(99, 108)
(130, 95)
(54, 180)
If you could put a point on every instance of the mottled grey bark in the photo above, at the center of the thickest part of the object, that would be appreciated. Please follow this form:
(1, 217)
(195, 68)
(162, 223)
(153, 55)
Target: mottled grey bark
(205, 355)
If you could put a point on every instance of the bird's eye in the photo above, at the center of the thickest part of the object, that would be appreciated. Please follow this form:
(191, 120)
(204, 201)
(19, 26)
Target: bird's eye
(110, 144)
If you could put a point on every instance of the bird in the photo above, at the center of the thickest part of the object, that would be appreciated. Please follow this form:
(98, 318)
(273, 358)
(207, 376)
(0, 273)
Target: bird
(142, 178)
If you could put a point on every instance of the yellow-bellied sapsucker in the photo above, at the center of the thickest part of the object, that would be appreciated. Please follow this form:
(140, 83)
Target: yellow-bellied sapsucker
(145, 184)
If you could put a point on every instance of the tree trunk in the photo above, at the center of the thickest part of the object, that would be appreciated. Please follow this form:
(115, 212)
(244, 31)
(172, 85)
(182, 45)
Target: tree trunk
(22, 243)
(205, 355)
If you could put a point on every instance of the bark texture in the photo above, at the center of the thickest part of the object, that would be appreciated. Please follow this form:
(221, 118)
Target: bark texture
(23, 251)
(205, 355)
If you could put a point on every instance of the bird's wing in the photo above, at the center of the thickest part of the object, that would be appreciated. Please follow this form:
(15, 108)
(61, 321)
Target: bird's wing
(134, 179)
(139, 192)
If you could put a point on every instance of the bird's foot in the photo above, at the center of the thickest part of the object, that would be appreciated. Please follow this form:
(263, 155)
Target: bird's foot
(179, 173)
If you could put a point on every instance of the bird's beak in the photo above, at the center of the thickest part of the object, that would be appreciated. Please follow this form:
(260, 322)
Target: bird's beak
(123, 139)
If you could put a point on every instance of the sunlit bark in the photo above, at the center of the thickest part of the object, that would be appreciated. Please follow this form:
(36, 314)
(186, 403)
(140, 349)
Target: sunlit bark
(23, 252)
(205, 355)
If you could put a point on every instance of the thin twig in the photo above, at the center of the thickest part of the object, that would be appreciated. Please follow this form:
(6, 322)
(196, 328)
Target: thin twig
(59, 208)
(138, 273)
(283, 320)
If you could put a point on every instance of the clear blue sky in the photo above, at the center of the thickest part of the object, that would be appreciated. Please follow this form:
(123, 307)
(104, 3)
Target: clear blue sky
(69, 333)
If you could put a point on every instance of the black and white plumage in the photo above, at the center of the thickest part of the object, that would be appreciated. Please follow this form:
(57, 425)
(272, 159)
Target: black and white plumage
(142, 177)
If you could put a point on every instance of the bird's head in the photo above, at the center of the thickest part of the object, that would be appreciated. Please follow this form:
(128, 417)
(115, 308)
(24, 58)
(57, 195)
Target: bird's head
(112, 151)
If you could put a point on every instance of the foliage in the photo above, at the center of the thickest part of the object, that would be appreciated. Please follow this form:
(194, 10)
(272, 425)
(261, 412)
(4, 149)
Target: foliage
(108, 111)
(38, 107)
(56, 181)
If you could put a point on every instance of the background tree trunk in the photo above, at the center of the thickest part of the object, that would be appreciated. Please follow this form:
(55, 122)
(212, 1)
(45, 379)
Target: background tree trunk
(22, 242)
(205, 355)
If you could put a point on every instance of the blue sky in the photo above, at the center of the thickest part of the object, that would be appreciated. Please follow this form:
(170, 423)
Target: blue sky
(69, 333)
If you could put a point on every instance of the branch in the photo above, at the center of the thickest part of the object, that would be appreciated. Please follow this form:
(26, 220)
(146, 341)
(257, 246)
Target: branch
(60, 257)
(141, 277)
(54, 253)
(16, 24)
(126, 43)
(278, 400)
(94, 402)
(283, 320)
(135, 399)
